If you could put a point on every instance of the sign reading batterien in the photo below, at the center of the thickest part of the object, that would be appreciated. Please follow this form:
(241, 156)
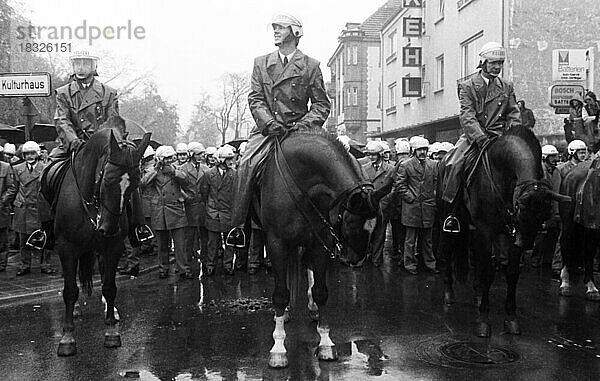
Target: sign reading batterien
(25, 84)
(569, 65)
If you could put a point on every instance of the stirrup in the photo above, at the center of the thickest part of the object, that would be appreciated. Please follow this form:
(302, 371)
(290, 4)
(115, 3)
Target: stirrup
(451, 224)
(143, 233)
(236, 238)
(37, 239)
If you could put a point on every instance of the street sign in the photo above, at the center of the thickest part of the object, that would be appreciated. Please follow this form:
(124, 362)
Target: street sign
(411, 87)
(25, 84)
(569, 65)
(560, 95)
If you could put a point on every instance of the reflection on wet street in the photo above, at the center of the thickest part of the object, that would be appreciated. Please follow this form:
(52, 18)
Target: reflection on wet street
(387, 325)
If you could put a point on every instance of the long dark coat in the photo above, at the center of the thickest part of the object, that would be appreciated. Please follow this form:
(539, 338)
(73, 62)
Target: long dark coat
(6, 181)
(147, 192)
(195, 207)
(23, 194)
(168, 208)
(218, 192)
(416, 184)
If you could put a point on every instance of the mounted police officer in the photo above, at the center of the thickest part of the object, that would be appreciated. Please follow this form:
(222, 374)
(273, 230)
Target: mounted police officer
(283, 83)
(82, 106)
(487, 109)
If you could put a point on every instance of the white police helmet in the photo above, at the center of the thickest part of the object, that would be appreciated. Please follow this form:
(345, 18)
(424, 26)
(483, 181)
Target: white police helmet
(164, 151)
(195, 147)
(148, 152)
(30, 146)
(548, 150)
(402, 146)
(225, 152)
(373, 147)
(181, 148)
(573, 147)
(285, 20)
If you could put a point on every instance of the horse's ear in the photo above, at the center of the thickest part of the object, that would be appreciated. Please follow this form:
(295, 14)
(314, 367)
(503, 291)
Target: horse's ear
(114, 148)
(143, 145)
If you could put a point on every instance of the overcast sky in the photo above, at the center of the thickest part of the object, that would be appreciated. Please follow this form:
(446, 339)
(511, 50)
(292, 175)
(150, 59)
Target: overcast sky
(189, 44)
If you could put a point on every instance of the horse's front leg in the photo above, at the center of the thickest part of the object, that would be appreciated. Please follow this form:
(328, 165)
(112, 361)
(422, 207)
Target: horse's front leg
(68, 260)
(511, 325)
(281, 297)
(591, 246)
(110, 259)
(485, 269)
(319, 293)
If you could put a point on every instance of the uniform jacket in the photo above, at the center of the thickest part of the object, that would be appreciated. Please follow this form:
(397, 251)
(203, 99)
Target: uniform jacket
(488, 112)
(168, 209)
(416, 184)
(218, 192)
(565, 168)
(282, 94)
(80, 111)
(6, 180)
(555, 179)
(195, 207)
(23, 194)
(147, 192)
(391, 204)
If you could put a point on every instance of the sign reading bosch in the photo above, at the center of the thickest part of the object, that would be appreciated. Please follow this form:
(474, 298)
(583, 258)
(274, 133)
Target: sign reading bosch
(560, 95)
(25, 84)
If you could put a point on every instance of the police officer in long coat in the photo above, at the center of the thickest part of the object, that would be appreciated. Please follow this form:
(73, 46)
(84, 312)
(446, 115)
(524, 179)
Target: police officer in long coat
(82, 106)
(416, 184)
(5, 183)
(168, 210)
(487, 109)
(23, 194)
(283, 83)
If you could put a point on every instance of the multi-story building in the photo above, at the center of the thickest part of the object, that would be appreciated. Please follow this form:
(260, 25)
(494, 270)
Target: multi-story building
(451, 36)
(356, 73)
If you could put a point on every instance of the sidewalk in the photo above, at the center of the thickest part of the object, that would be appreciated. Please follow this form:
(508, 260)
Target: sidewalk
(35, 283)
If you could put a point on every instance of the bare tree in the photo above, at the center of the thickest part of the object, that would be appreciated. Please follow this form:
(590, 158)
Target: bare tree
(203, 125)
(233, 104)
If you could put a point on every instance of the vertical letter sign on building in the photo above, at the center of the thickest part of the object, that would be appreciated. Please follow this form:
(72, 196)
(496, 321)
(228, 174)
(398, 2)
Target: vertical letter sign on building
(411, 87)
(412, 27)
(411, 56)
(412, 4)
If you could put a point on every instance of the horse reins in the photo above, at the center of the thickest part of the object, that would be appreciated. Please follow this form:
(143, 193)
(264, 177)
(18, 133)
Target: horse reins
(283, 168)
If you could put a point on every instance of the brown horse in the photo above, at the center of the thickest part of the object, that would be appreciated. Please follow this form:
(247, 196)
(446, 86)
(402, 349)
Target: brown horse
(90, 218)
(301, 203)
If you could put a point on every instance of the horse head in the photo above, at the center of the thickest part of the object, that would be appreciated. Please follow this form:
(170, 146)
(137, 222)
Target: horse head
(120, 177)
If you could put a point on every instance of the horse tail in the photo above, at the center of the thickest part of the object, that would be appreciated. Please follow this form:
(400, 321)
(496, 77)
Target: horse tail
(86, 272)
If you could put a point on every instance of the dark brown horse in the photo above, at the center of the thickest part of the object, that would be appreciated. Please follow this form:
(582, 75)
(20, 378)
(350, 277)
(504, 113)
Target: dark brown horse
(309, 181)
(580, 234)
(507, 202)
(90, 218)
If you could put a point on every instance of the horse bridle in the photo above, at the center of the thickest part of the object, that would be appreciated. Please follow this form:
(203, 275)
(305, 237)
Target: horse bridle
(360, 186)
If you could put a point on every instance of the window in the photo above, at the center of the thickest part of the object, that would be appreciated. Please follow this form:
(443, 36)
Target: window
(469, 54)
(352, 96)
(392, 95)
(355, 55)
(392, 44)
(439, 72)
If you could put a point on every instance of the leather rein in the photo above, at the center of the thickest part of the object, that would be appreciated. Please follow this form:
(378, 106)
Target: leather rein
(300, 198)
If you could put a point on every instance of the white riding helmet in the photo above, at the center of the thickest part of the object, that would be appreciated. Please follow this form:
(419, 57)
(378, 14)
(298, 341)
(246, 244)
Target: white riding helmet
(10, 148)
(285, 20)
(225, 152)
(548, 150)
(492, 51)
(30, 146)
(446, 146)
(242, 147)
(385, 146)
(211, 151)
(402, 146)
(195, 147)
(573, 147)
(435, 147)
(148, 152)
(181, 148)
(83, 52)
(164, 151)
(419, 142)
(373, 147)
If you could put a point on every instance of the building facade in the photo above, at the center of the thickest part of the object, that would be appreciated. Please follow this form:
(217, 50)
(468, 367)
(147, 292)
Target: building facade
(356, 74)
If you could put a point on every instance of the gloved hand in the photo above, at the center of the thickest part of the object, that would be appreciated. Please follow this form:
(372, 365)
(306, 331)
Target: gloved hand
(480, 141)
(273, 128)
(75, 145)
(168, 169)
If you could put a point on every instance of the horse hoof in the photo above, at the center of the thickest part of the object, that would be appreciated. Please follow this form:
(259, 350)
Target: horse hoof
(483, 329)
(278, 360)
(448, 297)
(565, 291)
(314, 315)
(112, 341)
(327, 353)
(66, 349)
(592, 295)
(512, 327)
(477, 301)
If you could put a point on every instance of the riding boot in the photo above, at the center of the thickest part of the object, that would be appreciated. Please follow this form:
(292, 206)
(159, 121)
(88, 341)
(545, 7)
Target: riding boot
(138, 230)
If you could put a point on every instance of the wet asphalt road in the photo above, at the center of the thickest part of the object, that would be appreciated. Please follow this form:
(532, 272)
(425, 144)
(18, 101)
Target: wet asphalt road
(388, 325)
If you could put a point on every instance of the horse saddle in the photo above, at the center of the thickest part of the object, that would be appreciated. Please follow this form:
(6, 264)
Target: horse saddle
(588, 198)
(52, 178)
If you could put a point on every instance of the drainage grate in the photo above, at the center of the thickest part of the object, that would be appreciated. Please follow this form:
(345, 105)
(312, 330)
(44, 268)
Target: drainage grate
(479, 353)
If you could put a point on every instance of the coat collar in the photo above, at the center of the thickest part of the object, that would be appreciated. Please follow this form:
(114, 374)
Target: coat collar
(276, 70)
(494, 88)
(93, 95)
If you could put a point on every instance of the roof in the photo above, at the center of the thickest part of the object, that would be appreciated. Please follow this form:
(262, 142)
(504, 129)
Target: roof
(373, 24)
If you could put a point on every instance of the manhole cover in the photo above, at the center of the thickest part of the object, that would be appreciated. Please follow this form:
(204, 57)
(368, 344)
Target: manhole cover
(479, 353)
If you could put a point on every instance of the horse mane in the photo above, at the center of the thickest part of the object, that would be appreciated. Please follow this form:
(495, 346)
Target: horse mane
(530, 140)
(98, 142)
(333, 140)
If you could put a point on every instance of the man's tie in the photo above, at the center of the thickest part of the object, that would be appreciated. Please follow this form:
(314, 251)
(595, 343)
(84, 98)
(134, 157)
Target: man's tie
(285, 61)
